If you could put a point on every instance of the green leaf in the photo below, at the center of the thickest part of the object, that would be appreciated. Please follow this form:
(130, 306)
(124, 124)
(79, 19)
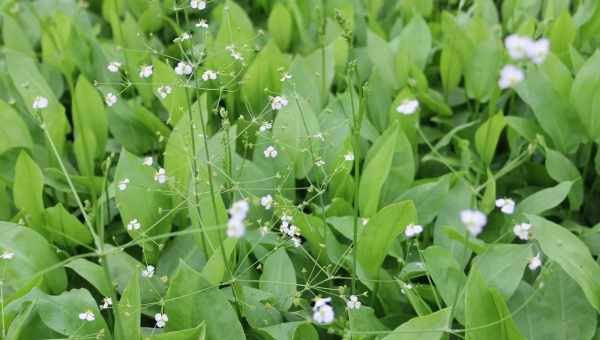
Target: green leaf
(377, 167)
(34, 256)
(545, 199)
(486, 312)
(281, 26)
(403, 169)
(382, 58)
(279, 278)
(364, 320)
(428, 327)
(561, 169)
(482, 69)
(13, 131)
(176, 103)
(191, 300)
(451, 68)
(196, 333)
(487, 136)
(585, 95)
(65, 229)
(92, 273)
(380, 233)
(566, 249)
(416, 38)
(298, 330)
(129, 318)
(501, 266)
(28, 190)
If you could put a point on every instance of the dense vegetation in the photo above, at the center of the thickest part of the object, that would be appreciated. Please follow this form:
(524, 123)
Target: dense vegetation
(315, 169)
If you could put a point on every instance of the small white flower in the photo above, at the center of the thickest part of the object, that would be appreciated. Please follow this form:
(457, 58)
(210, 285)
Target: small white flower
(110, 99)
(320, 163)
(517, 46)
(235, 228)
(164, 91)
(87, 316)
(202, 24)
(123, 184)
(148, 161)
(278, 102)
(535, 262)
(285, 218)
(296, 241)
(265, 126)
(266, 201)
(322, 312)
(40, 103)
(364, 221)
(506, 205)
(408, 106)
(285, 77)
(522, 231)
(239, 209)
(353, 302)
(183, 68)
(270, 152)
(406, 287)
(198, 4)
(114, 67)
(161, 320)
(134, 225)
(289, 229)
(209, 75)
(106, 303)
(264, 230)
(413, 230)
(349, 157)
(7, 255)
(237, 56)
(538, 51)
(161, 176)
(510, 76)
(473, 220)
(183, 37)
(146, 71)
(148, 271)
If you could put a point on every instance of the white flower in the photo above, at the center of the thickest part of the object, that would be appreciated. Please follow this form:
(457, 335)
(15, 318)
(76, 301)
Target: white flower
(202, 24)
(270, 152)
(285, 77)
(106, 303)
(39, 103)
(265, 126)
(413, 230)
(510, 75)
(538, 51)
(364, 221)
(320, 163)
(114, 67)
(237, 56)
(278, 102)
(87, 316)
(123, 184)
(285, 218)
(164, 91)
(535, 262)
(517, 46)
(198, 4)
(353, 302)
(408, 106)
(161, 176)
(349, 157)
(161, 320)
(296, 241)
(235, 228)
(148, 271)
(183, 37)
(209, 75)
(522, 231)
(7, 255)
(183, 68)
(264, 230)
(266, 201)
(239, 209)
(473, 220)
(110, 99)
(148, 161)
(146, 71)
(323, 312)
(289, 229)
(506, 205)
(134, 225)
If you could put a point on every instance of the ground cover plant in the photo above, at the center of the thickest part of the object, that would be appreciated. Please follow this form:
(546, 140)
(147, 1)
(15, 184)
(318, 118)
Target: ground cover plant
(316, 169)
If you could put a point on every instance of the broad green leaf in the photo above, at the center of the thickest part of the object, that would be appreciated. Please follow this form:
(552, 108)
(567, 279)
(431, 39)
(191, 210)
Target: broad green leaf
(176, 102)
(380, 233)
(585, 95)
(215, 269)
(92, 273)
(545, 199)
(428, 198)
(281, 25)
(566, 249)
(416, 38)
(297, 330)
(482, 69)
(501, 266)
(13, 131)
(34, 257)
(192, 300)
(144, 199)
(428, 327)
(128, 324)
(378, 165)
(279, 278)
(402, 171)
(196, 333)
(14, 37)
(364, 320)
(487, 136)
(382, 58)
(561, 169)
(28, 191)
(451, 67)
(65, 229)
(486, 312)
